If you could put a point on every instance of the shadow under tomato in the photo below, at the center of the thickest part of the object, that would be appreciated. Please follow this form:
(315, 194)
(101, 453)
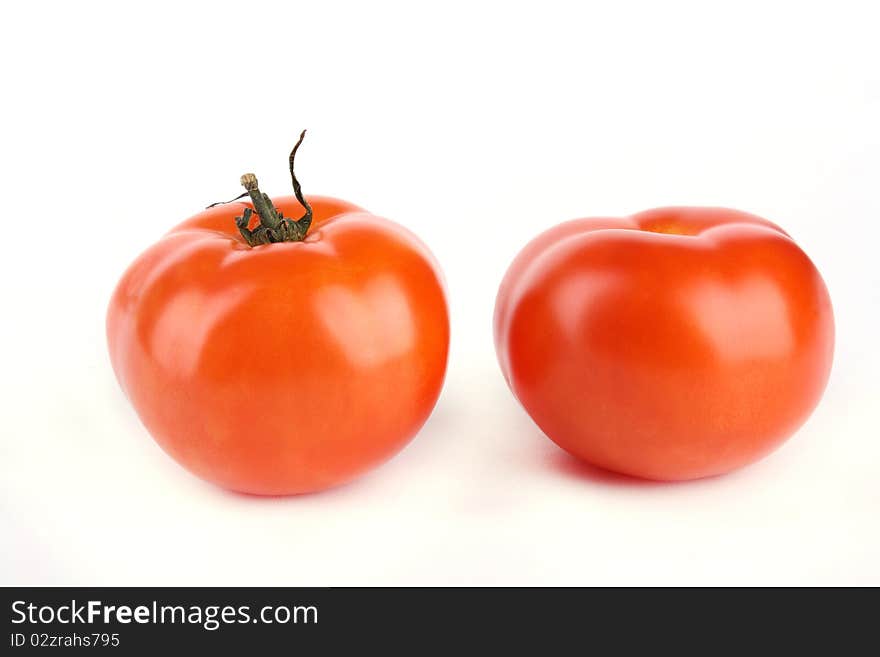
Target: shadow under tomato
(563, 463)
(544, 455)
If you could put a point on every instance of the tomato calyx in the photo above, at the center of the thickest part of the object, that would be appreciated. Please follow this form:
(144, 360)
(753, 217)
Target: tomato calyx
(274, 226)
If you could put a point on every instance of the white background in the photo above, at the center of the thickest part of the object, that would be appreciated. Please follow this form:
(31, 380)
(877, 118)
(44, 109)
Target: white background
(476, 125)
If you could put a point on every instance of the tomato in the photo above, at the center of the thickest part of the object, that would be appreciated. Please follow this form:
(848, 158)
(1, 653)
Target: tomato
(287, 366)
(674, 344)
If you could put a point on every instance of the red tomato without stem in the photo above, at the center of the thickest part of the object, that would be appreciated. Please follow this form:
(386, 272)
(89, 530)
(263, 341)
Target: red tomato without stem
(285, 367)
(674, 344)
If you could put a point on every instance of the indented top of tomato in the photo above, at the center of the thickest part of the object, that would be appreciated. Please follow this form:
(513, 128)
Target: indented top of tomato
(666, 223)
(221, 218)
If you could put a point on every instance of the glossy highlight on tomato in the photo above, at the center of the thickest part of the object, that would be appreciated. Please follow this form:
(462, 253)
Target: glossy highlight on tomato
(673, 344)
(285, 367)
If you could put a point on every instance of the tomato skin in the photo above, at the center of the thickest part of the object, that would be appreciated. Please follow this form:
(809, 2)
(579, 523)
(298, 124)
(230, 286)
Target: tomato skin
(674, 344)
(284, 368)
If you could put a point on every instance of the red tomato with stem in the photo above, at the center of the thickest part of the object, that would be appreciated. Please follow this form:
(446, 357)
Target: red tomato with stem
(273, 356)
(674, 344)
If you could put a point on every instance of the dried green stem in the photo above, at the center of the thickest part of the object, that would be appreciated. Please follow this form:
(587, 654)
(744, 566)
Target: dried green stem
(273, 227)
